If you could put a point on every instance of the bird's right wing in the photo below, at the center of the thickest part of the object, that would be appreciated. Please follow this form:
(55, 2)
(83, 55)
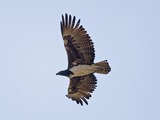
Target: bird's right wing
(78, 44)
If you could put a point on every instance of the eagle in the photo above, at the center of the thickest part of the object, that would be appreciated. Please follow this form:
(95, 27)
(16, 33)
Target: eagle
(81, 67)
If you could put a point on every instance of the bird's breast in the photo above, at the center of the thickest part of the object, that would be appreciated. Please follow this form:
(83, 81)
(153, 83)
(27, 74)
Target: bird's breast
(81, 70)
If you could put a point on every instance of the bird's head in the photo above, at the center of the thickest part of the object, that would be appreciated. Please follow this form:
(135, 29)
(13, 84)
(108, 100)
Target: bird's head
(66, 73)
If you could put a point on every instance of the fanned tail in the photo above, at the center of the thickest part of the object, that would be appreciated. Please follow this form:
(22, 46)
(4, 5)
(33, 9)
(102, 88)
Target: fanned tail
(102, 67)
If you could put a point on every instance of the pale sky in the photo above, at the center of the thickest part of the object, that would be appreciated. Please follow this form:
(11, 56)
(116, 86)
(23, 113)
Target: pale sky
(125, 32)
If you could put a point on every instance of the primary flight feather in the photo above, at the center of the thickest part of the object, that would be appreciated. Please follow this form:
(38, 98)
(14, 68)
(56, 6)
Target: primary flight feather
(81, 66)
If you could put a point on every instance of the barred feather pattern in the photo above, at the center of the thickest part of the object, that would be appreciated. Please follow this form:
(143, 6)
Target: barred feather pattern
(80, 88)
(102, 67)
(77, 42)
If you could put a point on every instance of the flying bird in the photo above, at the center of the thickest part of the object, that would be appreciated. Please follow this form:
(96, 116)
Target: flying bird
(81, 66)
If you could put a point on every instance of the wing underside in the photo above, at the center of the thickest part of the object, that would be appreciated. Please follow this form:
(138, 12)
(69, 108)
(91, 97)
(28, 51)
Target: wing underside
(80, 88)
(78, 44)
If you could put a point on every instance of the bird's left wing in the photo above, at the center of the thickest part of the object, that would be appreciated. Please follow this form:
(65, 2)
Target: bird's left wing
(80, 88)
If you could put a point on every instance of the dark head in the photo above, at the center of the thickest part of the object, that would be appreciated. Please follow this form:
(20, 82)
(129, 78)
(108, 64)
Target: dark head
(66, 73)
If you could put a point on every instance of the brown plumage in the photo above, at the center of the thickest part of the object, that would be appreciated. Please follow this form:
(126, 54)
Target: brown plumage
(81, 54)
(77, 42)
(81, 87)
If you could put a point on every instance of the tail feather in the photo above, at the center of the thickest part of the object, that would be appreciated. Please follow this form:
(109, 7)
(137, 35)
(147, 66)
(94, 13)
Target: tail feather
(102, 67)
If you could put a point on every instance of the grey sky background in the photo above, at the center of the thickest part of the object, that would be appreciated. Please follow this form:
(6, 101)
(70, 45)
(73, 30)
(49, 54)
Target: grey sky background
(125, 32)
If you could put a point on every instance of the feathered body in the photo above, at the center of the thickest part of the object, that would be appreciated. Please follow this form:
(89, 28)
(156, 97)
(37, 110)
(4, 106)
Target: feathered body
(81, 66)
